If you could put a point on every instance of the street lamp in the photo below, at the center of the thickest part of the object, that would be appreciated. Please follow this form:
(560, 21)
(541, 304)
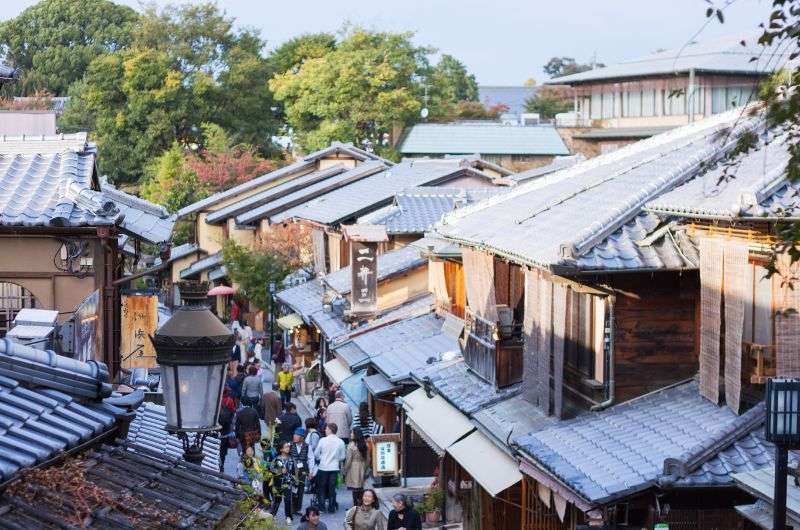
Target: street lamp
(192, 349)
(271, 289)
(783, 430)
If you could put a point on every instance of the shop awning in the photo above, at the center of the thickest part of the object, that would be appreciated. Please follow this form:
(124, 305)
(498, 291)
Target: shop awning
(435, 419)
(290, 321)
(378, 385)
(337, 371)
(494, 470)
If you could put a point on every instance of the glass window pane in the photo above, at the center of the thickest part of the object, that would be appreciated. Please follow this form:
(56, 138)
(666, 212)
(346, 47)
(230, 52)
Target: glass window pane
(608, 104)
(168, 388)
(199, 394)
(718, 100)
(635, 103)
(596, 104)
(648, 103)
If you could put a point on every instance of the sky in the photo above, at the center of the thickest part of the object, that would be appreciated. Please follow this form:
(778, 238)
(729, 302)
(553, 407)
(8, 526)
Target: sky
(503, 42)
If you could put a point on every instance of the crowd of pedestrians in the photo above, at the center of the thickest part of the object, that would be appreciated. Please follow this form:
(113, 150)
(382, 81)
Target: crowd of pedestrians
(292, 458)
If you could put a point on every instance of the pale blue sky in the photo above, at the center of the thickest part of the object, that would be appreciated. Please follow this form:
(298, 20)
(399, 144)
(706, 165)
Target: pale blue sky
(500, 41)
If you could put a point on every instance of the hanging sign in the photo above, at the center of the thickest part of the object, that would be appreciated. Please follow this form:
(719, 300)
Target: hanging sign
(139, 321)
(364, 264)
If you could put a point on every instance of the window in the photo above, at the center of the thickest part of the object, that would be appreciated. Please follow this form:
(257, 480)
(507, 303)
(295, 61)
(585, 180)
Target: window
(634, 107)
(758, 321)
(596, 113)
(674, 102)
(725, 98)
(589, 337)
(13, 297)
(648, 103)
(608, 105)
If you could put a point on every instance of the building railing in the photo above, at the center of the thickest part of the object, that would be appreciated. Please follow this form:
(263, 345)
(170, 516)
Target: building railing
(496, 359)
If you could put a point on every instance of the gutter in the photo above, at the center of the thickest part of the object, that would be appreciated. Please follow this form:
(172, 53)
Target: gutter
(610, 394)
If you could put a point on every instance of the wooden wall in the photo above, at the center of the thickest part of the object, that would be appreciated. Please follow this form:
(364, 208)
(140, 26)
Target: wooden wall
(656, 336)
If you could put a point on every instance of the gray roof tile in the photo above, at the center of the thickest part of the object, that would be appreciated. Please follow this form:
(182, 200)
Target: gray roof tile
(613, 453)
(201, 265)
(142, 219)
(490, 138)
(389, 264)
(725, 55)
(574, 210)
(377, 190)
(303, 299)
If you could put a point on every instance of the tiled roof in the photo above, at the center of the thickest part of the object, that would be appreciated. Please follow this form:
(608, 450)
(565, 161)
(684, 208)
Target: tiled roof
(389, 264)
(613, 453)
(461, 387)
(398, 349)
(752, 186)
(416, 210)
(201, 265)
(46, 145)
(352, 355)
(720, 56)
(218, 273)
(123, 486)
(53, 189)
(488, 138)
(302, 165)
(142, 219)
(513, 97)
(558, 163)
(183, 250)
(48, 404)
(303, 299)
(511, 417)
(377, 190)
(276, 210)
(574, 210)
(147, 430)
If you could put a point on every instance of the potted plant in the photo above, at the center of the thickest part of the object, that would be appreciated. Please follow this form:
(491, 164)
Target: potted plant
(432, 504)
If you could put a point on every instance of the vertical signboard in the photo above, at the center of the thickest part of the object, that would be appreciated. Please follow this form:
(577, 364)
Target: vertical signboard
(385, 454)
(364, 260)
(139, 322)
(87, 329)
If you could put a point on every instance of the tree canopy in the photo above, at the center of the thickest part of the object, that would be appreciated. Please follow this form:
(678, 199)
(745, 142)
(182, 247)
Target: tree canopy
(186, 66)
(54, 41)
(252, 271)
(549, 101)
(366, 86)
(561, 66)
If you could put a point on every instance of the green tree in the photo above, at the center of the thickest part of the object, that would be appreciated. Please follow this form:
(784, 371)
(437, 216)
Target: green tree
(252, 271)
(561, 66)
(549, 101)
(291, 55)
(186, 67)
(54, 41)
(171, 183)
(452, 82)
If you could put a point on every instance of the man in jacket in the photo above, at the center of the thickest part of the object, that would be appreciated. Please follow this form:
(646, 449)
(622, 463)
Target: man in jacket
(330, 453)
(287, 423)
(286, 382)
(247, 427)
(306, 466)
(339, 413)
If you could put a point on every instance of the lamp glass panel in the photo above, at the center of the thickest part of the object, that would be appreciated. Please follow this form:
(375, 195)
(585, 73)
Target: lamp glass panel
(199, 392)
(168, 387)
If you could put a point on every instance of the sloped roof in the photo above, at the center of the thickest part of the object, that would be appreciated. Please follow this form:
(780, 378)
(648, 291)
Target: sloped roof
(613, 453)
(201, 265)
(276, 210)
(303, 165)
(461, 387)
(753, 186)
(377, 190)
(416, 210)
(558, 163)
(513, 97)
(389, 264)
(303, 299)
(723, 56)
(574, 210)
(183, 250)
(46, 145)
(218, 273)
(511, 417)
(140, 218)
(490, 138)
(398, 349)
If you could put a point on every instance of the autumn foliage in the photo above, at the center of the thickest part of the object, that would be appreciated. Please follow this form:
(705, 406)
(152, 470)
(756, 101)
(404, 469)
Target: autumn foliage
(222, 170)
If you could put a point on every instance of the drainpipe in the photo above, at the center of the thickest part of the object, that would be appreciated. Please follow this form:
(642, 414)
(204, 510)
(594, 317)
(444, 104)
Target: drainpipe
(610, 359)
(690, 96)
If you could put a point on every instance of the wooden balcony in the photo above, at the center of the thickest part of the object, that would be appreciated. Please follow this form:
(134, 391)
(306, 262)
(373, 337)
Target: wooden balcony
(762, 359)
(497, 360)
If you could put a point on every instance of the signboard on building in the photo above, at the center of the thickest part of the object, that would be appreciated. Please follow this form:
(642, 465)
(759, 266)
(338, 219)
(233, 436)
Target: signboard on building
(139, 322)
(364, 261)
(386, 454)
(88, 333)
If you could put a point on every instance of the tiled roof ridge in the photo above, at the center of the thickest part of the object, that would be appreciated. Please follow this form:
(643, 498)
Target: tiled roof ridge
(715, 123)
(596, 232)
(117, 195)
(44, 137)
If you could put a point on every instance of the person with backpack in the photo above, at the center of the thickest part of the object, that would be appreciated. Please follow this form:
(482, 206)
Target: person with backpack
(305, 464)
(226, 413)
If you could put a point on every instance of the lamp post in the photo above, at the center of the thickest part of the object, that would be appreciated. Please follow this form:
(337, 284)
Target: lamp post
(783, 430)
(271, 289)
(192, 349)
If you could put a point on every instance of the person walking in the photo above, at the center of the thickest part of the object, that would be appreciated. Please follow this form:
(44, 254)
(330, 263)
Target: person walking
(329, 453)
(251, 387)
(312, 440)
(278, 354)
(288, 422)
(403, 516)
(321, 409)
(286, 382)
(339, 413)
(226, 414)
(366, 516)
(356, 464)
(305, 464)
(311, 521)
(365, 422)
(271, 408)
(247, 427)
(284, 471)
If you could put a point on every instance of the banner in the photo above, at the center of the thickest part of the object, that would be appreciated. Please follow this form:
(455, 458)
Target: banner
(139, 321)
(88, 333)
(364, 260)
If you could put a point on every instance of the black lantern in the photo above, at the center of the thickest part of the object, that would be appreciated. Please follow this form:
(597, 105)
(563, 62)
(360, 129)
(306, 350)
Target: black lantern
(782, 429)
(193, 348)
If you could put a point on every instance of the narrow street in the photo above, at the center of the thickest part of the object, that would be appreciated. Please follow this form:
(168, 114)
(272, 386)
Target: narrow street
(343, 496)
